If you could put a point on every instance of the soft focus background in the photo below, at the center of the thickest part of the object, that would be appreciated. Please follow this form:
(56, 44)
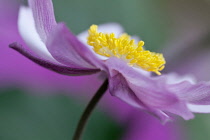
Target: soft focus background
(37, 104)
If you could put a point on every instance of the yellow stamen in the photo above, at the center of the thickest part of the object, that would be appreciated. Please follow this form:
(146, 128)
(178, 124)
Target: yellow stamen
(125, 48)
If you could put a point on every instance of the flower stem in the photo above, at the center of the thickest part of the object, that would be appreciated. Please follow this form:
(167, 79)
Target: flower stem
(88, 110)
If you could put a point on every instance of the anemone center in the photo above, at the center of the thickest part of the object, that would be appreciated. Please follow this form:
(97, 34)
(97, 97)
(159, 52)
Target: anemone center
(123, 47)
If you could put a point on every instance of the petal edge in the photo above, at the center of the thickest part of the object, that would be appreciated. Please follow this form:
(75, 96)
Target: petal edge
(50, 65)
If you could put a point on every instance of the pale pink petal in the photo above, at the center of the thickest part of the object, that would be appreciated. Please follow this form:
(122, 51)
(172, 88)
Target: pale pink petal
(150, 93)
(59, 68)
(67, 49)
(29, 33)
(43, 14)
(199, 108)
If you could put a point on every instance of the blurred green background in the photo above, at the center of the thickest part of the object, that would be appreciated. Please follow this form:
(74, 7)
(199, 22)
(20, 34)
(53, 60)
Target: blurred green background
(145, 18)
(26, 116)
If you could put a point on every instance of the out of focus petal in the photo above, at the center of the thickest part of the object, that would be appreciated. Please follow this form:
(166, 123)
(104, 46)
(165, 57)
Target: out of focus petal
(199, 108)
(198, 93)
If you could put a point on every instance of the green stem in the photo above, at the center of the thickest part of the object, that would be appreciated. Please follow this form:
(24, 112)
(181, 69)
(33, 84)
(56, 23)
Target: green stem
(88, 110)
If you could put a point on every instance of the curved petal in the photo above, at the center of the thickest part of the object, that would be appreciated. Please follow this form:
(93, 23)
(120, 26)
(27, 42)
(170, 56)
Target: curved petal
(43, 14)
(198, 93)
(162, 116)
(67, 49)
(173, 78)
(29, 34)
(50, 65)
(180, 108)
(118, 87)
(150, 92)
(187, 89)
(199, 108)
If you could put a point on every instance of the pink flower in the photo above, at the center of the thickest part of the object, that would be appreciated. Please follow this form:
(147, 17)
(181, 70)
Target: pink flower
(53, 46)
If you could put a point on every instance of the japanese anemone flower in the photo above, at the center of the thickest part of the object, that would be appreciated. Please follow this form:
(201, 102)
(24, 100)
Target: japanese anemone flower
(41, 79)
(126, 63)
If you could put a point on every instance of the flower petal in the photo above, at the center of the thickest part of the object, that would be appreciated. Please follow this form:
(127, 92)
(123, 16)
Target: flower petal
(173, 78)
(67, 49)
(43, 14)
(187, 89)
(29, 34)
(50, 65)
(118, 87)
(162, 116)
(199, 108)
(198, 93)
(150, 92)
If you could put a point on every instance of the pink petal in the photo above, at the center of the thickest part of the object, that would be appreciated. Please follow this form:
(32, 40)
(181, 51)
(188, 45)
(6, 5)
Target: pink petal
(195, 93)
(28, 32)
(150, 90)
(67, 49)
(150, 93)
(50, 65)
(43, 13)
(118, 87)
(199, 108)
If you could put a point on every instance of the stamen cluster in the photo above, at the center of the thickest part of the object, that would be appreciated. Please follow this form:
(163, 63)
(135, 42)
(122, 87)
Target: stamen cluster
(125, 48)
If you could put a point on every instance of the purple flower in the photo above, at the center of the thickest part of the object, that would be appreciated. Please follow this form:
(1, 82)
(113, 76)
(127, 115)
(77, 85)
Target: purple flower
(54, 47)
(19, 71)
